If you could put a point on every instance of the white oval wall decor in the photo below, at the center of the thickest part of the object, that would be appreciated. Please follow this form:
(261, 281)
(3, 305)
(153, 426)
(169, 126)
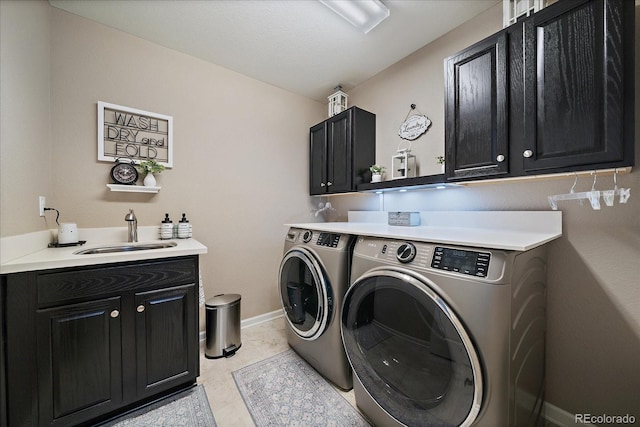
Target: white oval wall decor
(413, 127)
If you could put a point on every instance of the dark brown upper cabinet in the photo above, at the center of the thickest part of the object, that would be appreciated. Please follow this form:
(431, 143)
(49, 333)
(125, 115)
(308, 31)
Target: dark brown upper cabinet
(476, 135)
(578, 86)
(341, 150)
(551, 93)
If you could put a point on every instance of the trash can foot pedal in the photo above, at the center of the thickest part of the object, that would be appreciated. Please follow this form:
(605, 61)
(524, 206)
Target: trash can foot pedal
(230, 351)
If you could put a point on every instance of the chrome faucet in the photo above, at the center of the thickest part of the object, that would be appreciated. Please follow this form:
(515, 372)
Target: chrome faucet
(132, 222)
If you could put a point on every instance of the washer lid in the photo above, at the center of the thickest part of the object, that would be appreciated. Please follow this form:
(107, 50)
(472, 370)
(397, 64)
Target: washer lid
(410, 351)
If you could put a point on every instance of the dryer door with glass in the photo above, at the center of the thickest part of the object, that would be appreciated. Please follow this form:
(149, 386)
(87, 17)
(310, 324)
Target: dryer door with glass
(304, 293)
(410, 351)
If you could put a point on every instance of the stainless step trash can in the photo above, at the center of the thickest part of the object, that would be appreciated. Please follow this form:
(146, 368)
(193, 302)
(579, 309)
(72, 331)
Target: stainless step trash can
(223, 326)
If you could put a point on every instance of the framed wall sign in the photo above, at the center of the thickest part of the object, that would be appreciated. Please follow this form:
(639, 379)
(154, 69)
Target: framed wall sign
(138, 135)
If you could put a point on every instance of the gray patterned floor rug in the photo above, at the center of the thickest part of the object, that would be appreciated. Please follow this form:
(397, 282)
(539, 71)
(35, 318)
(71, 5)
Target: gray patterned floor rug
(189, 408)
(284, 390)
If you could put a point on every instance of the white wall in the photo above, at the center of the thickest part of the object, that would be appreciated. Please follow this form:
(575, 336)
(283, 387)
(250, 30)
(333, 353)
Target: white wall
(25, 167)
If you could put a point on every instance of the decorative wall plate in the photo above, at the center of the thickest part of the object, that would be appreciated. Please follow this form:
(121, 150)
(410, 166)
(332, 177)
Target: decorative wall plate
(413, 127)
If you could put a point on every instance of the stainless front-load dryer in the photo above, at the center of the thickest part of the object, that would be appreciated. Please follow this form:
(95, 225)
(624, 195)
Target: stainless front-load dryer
(312, 281)
(443, 335)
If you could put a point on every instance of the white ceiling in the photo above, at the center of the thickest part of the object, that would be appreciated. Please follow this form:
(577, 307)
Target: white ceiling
(297, 45)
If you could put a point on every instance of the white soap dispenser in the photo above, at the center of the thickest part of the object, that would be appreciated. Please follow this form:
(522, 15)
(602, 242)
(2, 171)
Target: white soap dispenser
(184, 228)
(166, 227)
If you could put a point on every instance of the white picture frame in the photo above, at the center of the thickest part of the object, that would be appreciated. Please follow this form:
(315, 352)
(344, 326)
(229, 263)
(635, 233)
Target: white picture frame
(137, 135)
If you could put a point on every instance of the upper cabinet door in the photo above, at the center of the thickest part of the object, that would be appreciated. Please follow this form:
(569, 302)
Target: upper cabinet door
(339, 139)
(476, 105)
(318, 159)
(578, 85)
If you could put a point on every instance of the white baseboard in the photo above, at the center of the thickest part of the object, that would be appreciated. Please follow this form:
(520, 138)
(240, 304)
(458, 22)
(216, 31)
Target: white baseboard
(252, 321)
(261, 318)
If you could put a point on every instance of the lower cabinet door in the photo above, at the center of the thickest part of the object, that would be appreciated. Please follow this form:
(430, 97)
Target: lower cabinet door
(166, 338)
(79, 361)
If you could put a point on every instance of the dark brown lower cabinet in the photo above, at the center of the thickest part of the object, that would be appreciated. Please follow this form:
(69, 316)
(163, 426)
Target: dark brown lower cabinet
(79, 361)
(84, 344)
(165, 321)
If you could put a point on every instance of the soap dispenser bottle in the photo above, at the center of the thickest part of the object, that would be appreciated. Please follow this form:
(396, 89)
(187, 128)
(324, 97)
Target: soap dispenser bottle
(184, 228)
(166, 227)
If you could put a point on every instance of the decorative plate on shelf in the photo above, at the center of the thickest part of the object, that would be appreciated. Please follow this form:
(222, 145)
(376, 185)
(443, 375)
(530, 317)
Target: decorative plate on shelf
(124, 173)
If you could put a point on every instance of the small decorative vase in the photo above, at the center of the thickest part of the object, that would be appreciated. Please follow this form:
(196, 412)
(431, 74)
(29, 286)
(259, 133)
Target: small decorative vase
(441, 167)
(149, 180)
(376, 177)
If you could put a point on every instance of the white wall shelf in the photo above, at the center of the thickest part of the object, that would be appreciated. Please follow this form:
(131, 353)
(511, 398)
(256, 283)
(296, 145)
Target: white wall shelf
(133, 188)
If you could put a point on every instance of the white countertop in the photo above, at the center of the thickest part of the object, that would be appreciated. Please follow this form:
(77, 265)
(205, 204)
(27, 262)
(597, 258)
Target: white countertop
(508, 230)
(29, 253)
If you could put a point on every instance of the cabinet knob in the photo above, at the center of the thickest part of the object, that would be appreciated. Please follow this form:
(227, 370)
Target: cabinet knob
(140, 308)
(500, 158)
(527, 153)
(115, 313)
(322, 184)
(329, 184)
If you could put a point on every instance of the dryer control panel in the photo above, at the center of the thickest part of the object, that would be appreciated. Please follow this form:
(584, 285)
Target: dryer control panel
(461, 261)
(319, 240)
(328, 239)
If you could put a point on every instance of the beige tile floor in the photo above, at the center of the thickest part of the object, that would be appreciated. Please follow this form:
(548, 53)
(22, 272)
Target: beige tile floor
(258, 343)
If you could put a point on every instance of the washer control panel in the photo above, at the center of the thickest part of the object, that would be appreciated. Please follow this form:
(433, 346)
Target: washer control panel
(461, 261)
(475, 262)
(406, 252)
(416, 254)
(328, 239)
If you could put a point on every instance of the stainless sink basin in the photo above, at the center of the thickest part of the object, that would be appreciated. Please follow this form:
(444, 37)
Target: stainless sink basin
(129, 247)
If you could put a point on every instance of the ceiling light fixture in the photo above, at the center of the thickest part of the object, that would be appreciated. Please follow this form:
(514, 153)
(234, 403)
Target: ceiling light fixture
(362, 14)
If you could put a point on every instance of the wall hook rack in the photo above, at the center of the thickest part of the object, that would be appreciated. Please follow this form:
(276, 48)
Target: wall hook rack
(593, 195)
